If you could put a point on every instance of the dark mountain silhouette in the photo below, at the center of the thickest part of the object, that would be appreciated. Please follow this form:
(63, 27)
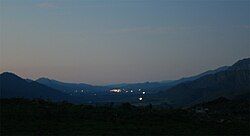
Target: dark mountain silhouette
(192, 78)
(229, 83)
(225, 81)
(29, 80)
(243, 64)
(150, 87)
(71, 87)
(14, 86)
(154, 87)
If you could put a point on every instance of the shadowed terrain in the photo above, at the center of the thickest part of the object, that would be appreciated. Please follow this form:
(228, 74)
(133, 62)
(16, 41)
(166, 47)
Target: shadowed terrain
(39, 117)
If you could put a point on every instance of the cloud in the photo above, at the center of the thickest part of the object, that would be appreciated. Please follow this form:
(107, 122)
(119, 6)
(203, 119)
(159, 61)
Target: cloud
(47, 5)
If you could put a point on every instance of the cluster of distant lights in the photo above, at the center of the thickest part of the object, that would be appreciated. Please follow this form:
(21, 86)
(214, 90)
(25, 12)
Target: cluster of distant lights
(115, 91)
(79, 91)
(131, 91)
(123, 90)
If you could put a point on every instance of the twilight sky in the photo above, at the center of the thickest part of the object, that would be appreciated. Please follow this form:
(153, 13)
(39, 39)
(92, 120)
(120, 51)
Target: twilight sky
(114, 41)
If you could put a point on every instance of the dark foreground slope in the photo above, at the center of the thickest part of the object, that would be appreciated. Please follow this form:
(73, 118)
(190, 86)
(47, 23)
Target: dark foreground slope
(39, 117)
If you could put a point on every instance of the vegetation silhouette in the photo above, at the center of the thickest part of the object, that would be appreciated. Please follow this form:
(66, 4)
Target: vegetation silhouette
(44, 117)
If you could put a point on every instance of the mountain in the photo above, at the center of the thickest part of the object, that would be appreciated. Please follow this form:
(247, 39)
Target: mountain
(230, 82)
(14, 86)
(192, 78)
(243, 64)
(29, 80)
(233, 81)
(72, 87)
(154, 87)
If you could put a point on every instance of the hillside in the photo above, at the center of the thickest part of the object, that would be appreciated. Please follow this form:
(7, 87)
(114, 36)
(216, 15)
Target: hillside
(72, 87)
(229, 83)
(14, 86)
(39, 117)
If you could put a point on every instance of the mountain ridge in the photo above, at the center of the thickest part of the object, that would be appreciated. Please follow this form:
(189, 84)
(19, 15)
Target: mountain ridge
(70, 87)
(233, 81)
(222, 82)
(15, 86)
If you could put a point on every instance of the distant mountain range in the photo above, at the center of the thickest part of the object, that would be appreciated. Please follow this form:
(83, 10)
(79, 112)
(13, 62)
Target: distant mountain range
(229, 81)
(74, 88)
(233, 81)
(154, 87)
(150, 87)
(13, 86)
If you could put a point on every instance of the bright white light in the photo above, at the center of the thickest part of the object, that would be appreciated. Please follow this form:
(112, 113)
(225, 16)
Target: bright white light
(140, 98)
(82, 91)
(116, 90)
(143, 92)
(126, 91)
(131, 91)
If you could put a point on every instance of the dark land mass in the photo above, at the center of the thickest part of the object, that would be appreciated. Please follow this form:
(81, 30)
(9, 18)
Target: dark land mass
(39, 117)
(233, 81)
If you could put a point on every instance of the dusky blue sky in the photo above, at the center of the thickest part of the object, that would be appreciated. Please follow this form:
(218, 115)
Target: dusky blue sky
(114, 41)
